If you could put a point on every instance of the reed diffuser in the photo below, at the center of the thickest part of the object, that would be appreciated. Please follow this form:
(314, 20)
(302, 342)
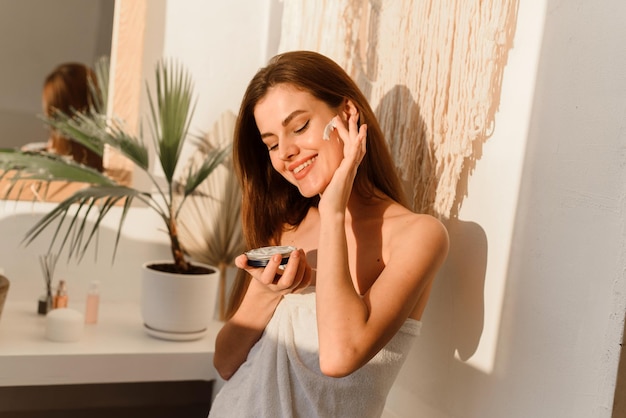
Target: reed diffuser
(48, 263)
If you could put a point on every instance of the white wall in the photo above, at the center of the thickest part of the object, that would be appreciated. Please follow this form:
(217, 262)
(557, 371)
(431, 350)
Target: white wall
(527, 315)
(221, 43)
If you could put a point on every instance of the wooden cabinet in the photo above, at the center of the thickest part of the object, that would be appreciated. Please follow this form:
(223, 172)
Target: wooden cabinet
(188, 399)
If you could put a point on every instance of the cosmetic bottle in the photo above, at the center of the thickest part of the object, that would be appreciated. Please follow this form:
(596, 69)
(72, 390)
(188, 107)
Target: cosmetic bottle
(60, 299)
(93, 303)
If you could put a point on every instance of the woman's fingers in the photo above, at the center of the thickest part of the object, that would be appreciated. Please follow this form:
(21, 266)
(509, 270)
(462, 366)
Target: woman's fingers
(299, 270)
(241, 261)
(353, 123)
(265, 274)
(353, 136)
(294, 275)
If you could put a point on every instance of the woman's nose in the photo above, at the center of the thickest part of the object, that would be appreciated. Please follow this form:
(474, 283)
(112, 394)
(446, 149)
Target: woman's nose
(287, 149)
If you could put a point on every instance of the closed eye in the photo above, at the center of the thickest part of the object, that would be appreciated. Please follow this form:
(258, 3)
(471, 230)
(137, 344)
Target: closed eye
(298, 131)
(302, 128)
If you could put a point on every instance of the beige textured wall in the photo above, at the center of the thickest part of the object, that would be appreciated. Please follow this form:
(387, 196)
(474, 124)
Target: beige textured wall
(431, 69)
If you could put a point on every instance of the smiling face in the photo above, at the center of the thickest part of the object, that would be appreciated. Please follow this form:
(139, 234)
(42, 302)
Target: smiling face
(292, 123)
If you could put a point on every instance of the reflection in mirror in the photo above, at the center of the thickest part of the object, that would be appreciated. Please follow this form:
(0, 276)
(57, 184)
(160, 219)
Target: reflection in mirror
(35, 37)
(74, 87)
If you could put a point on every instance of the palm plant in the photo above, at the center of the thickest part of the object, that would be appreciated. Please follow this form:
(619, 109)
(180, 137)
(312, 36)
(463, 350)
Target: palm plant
(171, 111)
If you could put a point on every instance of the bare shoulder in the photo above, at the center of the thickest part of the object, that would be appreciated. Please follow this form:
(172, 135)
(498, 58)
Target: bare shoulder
(402, 222)
(410, 233)
(414, 248)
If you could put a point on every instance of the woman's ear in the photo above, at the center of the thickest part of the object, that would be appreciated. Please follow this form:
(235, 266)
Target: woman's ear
(348, 109)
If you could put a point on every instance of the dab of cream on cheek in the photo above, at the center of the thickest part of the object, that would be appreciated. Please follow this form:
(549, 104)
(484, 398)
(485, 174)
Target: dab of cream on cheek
(328, 129)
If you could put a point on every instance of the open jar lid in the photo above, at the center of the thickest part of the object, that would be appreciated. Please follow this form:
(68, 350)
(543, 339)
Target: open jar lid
(259, 257)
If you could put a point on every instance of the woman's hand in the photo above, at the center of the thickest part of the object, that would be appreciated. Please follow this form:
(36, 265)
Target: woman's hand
(292, 277)
(245, 327)
(335, 196)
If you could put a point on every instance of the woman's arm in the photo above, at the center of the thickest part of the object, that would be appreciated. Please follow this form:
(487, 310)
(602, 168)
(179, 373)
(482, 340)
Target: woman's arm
(351, 328)
(245, 327)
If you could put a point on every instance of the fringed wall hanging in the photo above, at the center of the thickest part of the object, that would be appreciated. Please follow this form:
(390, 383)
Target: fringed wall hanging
(431, 69)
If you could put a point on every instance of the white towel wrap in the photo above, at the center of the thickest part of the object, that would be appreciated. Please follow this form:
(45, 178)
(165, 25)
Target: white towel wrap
(282, 378)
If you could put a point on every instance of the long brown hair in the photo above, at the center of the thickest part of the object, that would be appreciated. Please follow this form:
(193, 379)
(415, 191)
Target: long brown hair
(69, 88)
(270, 203)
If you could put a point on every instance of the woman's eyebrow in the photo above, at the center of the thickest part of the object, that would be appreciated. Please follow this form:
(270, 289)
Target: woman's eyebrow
(285, 121)
(291, 116)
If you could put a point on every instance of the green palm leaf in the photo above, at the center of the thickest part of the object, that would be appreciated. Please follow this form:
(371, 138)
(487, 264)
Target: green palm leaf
(95, 130)
(47, 167)
(92, 202)
(171, 110)
(100, 89)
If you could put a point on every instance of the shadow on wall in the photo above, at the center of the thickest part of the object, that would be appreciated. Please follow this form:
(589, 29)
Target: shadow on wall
(403, 124)
(458, 295)
(454, 317)
(461, 283)
(453, 326)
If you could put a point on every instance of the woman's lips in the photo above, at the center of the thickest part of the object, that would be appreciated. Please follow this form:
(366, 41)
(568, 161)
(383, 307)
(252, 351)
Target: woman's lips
(299, 168)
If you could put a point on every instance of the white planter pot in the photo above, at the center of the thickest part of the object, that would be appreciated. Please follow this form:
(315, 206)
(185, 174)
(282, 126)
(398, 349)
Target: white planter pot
(178, 306)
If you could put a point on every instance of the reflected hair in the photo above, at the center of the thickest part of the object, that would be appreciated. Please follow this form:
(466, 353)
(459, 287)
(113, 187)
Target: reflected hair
(69, 89)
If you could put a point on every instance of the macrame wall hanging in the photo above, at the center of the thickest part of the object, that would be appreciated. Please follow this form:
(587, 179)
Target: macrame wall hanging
(432, 71)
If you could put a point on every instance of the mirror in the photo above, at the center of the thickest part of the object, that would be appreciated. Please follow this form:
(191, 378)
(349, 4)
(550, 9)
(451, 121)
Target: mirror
(40, 35)
(36, 36)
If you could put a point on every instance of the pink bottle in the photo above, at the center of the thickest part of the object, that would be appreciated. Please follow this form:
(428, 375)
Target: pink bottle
(93, 303)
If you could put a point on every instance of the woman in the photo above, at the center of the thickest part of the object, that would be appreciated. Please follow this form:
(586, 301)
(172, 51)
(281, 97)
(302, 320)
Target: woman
(324, 336)
(69, 88)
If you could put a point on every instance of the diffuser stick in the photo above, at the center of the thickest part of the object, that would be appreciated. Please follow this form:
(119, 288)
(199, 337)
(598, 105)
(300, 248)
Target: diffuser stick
(48, 264)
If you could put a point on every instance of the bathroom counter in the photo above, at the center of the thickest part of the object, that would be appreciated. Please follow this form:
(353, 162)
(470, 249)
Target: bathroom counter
(116, 349)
